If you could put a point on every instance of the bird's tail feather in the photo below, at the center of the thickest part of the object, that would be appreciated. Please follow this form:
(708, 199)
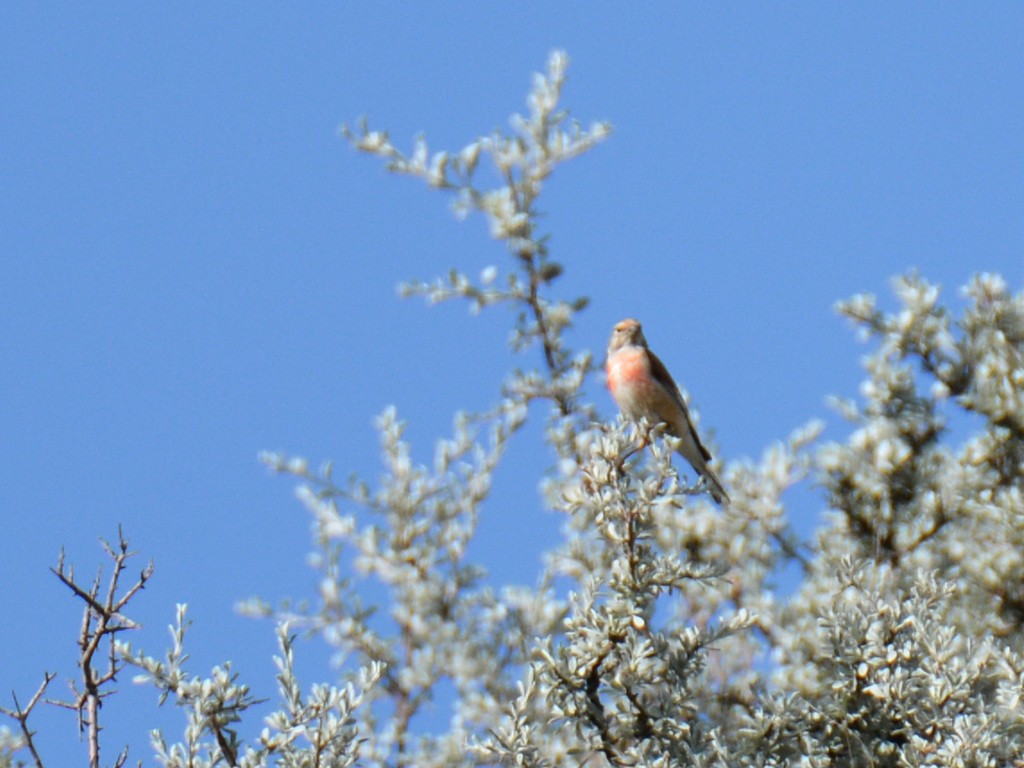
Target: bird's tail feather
(715, 487)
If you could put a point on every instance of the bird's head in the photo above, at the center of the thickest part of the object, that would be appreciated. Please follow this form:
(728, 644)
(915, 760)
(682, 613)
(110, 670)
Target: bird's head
(626, 333)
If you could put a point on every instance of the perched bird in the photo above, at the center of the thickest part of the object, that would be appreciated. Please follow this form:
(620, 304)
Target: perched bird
(643, 388)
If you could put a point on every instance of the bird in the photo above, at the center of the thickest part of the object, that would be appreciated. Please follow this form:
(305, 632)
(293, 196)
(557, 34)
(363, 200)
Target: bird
(643, 388)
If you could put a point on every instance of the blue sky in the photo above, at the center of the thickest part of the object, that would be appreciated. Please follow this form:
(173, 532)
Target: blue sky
(196, 268)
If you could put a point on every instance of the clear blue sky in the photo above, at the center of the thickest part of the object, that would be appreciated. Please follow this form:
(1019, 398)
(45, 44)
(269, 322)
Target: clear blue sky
(196, 268)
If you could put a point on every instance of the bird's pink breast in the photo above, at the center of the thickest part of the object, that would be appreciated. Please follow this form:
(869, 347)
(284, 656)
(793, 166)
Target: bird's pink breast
(630, 382)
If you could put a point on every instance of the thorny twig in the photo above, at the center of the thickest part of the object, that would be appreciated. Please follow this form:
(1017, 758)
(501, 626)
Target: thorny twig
(102, 620)
(21, 715)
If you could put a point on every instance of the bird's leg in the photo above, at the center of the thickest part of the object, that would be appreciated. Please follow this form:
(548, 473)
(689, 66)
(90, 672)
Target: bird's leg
(644, 441)
(621, 463)
(646, 432)
(653, 430)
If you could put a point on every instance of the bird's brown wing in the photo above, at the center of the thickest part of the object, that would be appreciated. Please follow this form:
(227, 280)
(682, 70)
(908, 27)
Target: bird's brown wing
(662, 376)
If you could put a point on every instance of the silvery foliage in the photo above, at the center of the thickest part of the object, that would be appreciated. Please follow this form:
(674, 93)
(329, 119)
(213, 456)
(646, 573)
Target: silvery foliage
(641, 633)
(902, 646)
(656, 634)
(318, 728)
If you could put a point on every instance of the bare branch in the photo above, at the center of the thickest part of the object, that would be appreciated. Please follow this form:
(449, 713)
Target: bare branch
(102, 621)
(21, 715)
